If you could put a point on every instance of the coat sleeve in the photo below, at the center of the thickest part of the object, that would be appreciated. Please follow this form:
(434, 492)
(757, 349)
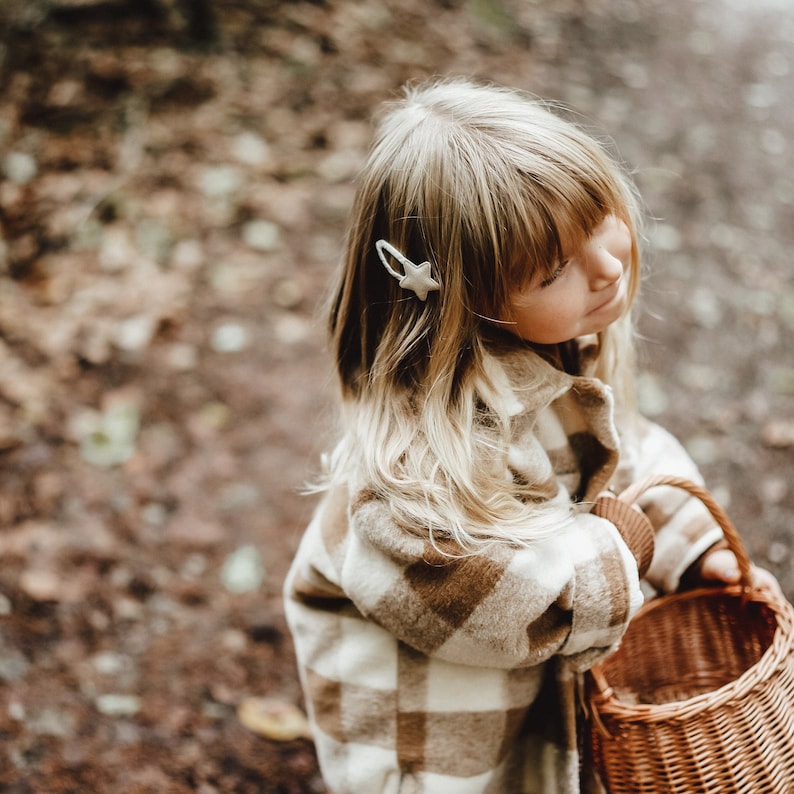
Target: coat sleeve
(684, 528)
(571, 593)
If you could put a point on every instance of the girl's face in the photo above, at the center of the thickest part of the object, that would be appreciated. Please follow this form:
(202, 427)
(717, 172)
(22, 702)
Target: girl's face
(586, 293)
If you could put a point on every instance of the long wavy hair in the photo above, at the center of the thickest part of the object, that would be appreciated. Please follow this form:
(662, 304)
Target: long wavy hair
(485, 183)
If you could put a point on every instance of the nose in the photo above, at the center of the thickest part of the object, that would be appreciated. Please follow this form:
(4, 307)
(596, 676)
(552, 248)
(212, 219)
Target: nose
(603, 269)
(607, 251)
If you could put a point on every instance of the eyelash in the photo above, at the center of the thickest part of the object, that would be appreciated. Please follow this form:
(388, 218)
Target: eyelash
(555, 275)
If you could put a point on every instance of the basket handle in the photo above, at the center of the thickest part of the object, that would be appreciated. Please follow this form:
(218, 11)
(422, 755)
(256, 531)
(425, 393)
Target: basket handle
(634, 491)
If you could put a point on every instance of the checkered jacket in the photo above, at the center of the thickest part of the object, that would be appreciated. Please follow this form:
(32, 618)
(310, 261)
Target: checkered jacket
(430, 675)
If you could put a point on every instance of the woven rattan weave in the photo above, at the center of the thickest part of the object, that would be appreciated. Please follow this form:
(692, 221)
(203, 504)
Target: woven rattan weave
(700, 695)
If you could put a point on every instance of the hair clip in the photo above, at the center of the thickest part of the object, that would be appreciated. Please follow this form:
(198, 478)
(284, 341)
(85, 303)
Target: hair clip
(414, 277)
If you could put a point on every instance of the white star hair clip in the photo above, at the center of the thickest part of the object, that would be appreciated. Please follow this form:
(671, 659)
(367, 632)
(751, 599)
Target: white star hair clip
(414, 277)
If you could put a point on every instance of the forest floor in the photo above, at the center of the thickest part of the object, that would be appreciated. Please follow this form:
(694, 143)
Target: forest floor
(175, 183)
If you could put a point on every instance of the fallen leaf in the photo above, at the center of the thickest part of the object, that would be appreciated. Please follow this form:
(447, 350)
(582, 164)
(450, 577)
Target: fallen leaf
(274, 719)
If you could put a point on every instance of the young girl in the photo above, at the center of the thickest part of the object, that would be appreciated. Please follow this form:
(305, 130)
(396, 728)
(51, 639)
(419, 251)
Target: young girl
(468, 560)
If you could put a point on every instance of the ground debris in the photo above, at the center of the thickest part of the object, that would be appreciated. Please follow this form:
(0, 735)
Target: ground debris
(174, 183)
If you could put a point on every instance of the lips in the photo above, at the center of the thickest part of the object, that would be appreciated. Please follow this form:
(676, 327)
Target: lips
(613, 298)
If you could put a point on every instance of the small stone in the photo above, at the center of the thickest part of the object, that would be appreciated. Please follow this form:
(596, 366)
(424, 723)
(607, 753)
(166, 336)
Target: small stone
(153, 239)
(154, 514)
(261, 235)
(40, 584)
(250, 149)
(52, 722)
(234, 640)
(20, 167)
(213, 416)
(243, 570)
(112, 442)
(64, 93)
(115, 705)
(136, 333)
(13, 664)
(221, 181)
(122, 420)
(109, 663)
(229, 338)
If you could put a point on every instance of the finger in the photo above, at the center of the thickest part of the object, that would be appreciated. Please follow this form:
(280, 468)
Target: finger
(765, 581)
(720, 566)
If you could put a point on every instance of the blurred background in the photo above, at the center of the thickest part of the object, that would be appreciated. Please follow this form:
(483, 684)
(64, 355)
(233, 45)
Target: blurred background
(176, 178)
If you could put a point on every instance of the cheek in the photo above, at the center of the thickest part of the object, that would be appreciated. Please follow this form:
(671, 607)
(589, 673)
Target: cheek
(546, 325)
(624, 245)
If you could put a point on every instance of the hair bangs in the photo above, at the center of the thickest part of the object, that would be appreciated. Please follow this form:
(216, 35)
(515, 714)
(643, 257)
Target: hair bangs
(557, 209)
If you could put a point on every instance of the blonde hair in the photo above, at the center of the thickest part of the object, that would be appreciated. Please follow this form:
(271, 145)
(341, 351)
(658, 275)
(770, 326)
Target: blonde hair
(485, 183)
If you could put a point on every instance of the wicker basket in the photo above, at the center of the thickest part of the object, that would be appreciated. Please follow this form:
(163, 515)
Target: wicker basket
(700, 695)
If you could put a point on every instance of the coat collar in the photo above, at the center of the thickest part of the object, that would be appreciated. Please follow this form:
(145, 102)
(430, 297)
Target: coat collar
(539, 392)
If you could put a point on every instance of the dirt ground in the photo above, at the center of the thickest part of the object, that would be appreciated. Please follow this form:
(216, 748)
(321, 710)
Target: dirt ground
(175, 182)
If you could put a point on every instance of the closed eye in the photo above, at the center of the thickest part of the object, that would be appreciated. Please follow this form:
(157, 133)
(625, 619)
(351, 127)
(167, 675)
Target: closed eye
(555, 275)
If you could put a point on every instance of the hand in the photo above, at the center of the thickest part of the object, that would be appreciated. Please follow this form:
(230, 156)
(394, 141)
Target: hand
(720, 566)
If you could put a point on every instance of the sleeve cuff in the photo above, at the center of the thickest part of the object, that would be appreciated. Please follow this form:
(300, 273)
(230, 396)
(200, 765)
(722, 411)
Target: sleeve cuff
(633, 526)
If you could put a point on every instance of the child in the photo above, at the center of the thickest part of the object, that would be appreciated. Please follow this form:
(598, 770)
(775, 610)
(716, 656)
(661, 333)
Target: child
(467, 560)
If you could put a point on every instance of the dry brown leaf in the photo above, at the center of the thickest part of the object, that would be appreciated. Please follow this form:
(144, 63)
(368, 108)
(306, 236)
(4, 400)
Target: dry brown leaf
(274, 719)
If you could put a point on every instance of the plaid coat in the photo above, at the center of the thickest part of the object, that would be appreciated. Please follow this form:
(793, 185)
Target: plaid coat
(430, 675)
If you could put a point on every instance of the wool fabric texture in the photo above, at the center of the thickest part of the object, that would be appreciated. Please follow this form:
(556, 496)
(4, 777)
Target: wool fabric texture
(430, 674)
(633, 525)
